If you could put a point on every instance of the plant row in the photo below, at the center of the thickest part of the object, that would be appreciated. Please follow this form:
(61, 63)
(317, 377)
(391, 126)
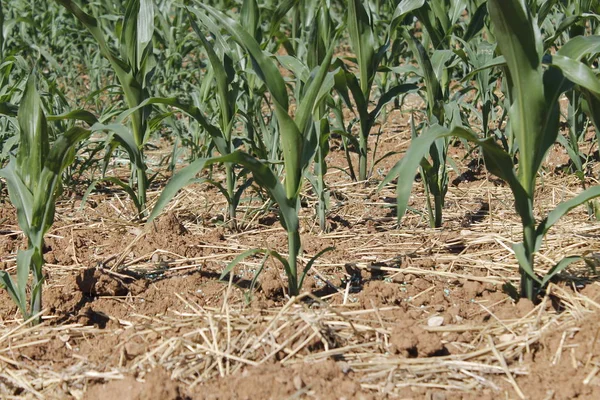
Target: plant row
(259, 90)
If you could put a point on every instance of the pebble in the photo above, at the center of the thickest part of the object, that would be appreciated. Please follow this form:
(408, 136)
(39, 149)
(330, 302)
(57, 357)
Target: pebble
(438, 320)
(298, 384)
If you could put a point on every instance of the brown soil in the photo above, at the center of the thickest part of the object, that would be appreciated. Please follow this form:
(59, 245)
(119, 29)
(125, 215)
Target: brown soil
(136, 312)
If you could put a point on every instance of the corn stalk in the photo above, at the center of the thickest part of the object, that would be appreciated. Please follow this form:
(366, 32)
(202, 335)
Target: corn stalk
(534, 114)
(298, 142)
(33, 179)
(133, 69)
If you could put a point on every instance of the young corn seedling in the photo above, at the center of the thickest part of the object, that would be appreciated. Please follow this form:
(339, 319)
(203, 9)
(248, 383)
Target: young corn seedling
(298, 141)
(227, 93)
(369, 55)
(33, 179)
(534, 113)
(133, 70)
(435, 67)
(320, 39)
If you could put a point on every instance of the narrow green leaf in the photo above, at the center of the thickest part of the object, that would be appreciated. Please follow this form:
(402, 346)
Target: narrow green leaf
(308, 102)
(476, 23)
(77, 115)
(182, 178)
(523, 261)
(11, 288)
(220, 76)
(561, 210)
(45, 195)
(519, 42)
(580, 46)
(310, 263)
(498, 162)
(559, 267)
(20, 195)
(33, 145)
(250, 16)
(24, 265)
(263, 65)
(390, 95)
(405, 7)
(239, 258)
(126, 187)
(578, 73)
(362, 42)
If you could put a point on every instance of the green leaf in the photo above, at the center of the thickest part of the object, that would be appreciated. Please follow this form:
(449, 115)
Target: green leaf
(578, 73)
(519, 42)
(499, 61)
(13, 292)
(24, 265)
(263, 175)
(221, 78)
(476, 23)
(432, 85)
(309, 101)
(250, 16)
(77, 115)
(126, 187)
(561, 210)
(559, 267)
(523, 261)
(264, 67)
(132, 89)
(310, 263)
(580, 46)
(138, 29)
(33, 145)
(45, 195)
(239, 258)
(390, 95)
(405, 7)
(498, 162)
(283, 7)
(20, 195)
(125, 139)
(182, 178)
(215, 133)
(362, 42)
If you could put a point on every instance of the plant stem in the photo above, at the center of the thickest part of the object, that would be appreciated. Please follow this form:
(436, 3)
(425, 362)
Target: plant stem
(439, 207)
(362, 156)
(142, 187)
(528, 284)
(230, 178)
(294, 252)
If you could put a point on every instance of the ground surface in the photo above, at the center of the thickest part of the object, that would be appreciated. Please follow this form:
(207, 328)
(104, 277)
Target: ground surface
(136, 312)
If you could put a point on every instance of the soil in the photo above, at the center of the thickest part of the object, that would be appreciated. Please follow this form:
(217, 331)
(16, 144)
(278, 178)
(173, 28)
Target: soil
(140, 312)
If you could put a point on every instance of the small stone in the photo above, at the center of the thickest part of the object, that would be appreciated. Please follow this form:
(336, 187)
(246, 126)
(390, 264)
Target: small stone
(345, 367)
(438, 396)
(64, 338)
(298, 384)
(438, 320)
(507, 337)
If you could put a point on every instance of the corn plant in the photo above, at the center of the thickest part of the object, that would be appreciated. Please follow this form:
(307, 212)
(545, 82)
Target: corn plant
(321, 36)
(534, 113)
(435, 66)
(133, 70)
(1, 34)
(363, 41)
(227, 93)
(298, 142)
(33, 179)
